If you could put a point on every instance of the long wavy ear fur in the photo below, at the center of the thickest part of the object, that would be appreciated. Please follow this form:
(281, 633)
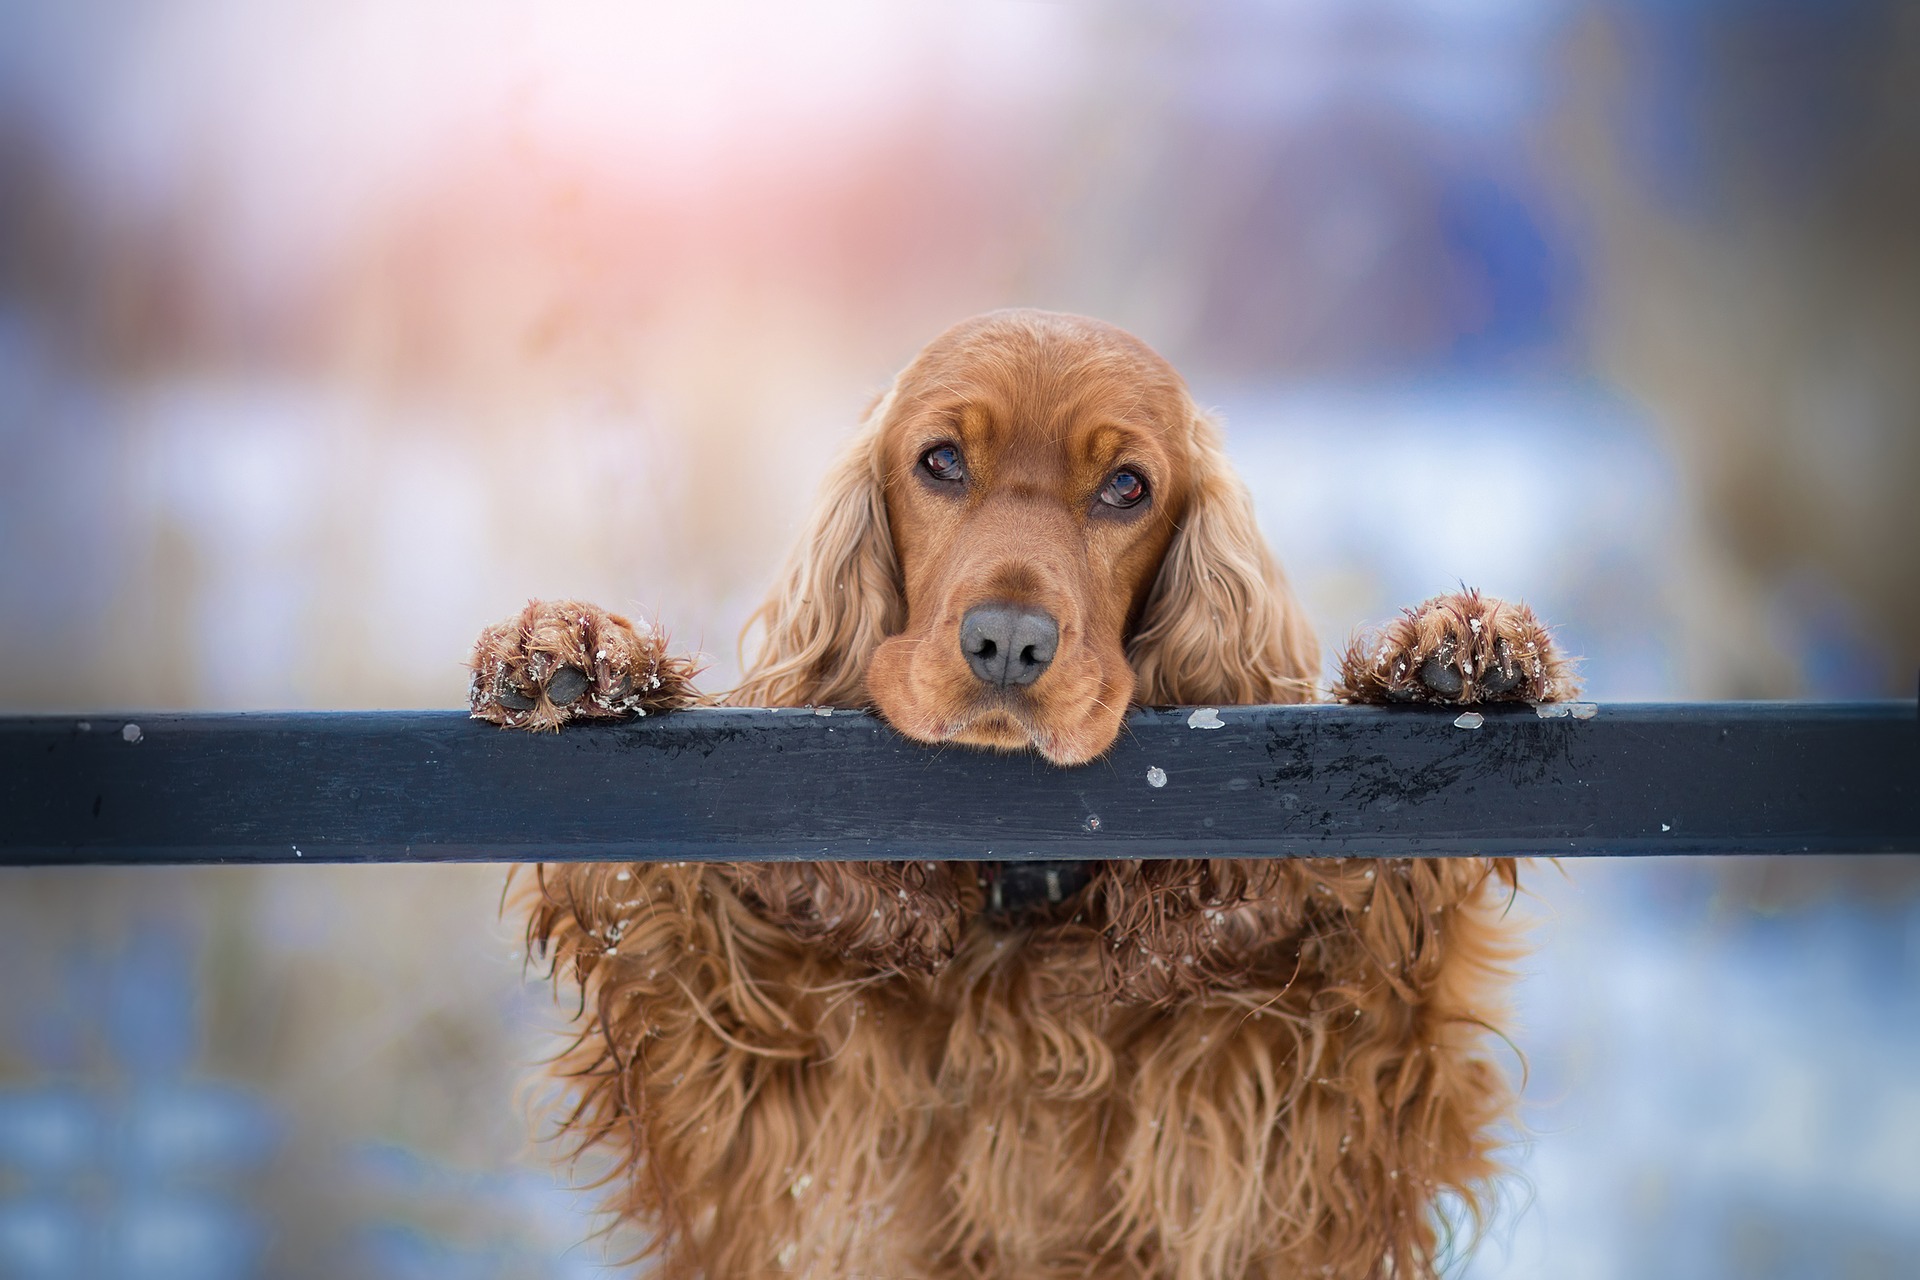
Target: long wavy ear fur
(1221, 625)
(839, 595)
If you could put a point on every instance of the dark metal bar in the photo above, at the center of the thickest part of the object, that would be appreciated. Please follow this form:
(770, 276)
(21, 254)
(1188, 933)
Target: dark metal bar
(742, 784)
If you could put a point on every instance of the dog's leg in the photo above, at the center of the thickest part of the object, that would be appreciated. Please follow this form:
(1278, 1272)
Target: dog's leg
(681, 1049)
(1308, 1123)
(561, 660)
(1462, 648)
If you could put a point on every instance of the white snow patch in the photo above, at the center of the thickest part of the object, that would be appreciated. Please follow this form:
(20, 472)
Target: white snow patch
(1205, 718)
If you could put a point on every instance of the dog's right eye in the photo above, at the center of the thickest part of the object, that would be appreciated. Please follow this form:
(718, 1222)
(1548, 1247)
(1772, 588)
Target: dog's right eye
(943, 463)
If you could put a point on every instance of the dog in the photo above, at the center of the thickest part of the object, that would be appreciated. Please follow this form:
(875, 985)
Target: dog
(1177, 1069)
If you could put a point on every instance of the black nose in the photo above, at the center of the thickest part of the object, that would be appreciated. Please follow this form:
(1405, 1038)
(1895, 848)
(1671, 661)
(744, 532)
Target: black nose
(1007, 645)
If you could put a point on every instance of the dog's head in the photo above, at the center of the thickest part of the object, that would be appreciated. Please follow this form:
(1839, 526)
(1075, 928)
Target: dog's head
(1035, 529)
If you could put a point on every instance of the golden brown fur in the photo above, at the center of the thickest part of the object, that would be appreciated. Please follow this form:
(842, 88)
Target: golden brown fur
(1195, 1068)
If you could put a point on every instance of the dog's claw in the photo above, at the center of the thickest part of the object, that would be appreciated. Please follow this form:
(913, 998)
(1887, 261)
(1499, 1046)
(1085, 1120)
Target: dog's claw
(511, 698)
(567, 685)
(1502, 675)
(1440, 674)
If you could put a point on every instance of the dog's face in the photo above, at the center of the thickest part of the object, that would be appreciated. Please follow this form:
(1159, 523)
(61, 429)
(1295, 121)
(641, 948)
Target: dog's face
(1035, 472)
(1034, 528)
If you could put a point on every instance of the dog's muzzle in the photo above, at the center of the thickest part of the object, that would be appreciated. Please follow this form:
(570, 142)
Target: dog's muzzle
(1019, 889)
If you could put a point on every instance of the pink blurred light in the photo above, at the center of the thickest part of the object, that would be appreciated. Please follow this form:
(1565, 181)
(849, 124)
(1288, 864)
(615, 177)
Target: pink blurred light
(286, 124)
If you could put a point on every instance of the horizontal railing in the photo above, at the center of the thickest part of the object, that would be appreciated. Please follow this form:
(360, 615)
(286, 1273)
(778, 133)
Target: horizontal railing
(1316, 781)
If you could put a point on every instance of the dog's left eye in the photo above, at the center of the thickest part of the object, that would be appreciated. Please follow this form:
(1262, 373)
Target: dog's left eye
(1124, 489)
(943, 461)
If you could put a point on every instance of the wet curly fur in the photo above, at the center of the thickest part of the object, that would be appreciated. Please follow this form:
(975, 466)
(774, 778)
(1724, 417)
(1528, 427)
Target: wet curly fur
(1192, 1068)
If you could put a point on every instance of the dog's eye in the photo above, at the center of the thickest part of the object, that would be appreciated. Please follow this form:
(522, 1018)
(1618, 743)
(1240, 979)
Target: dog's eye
(943, 463)
(1124, 489)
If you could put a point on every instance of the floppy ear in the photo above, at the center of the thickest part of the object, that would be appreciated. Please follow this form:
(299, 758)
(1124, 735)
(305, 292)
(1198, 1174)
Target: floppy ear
(1221, 624)
(839, 595)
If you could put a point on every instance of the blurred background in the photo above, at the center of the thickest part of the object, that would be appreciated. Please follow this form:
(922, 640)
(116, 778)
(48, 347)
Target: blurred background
(330, 332)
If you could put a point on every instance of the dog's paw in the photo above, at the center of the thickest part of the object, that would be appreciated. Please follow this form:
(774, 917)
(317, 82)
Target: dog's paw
(1460, 648)
(561, 660)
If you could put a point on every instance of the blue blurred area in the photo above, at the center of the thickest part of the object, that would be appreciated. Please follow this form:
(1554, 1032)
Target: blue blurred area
(120, 1162)
(123, 1156)
(1526, 277)
(402, 1250)
(1715, 1089)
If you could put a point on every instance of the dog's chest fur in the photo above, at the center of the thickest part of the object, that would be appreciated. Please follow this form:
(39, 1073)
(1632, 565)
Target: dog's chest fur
(785, 1108)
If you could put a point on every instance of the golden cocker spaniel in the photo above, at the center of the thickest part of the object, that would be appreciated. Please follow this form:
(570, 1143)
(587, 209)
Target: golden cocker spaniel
(1178, 1069)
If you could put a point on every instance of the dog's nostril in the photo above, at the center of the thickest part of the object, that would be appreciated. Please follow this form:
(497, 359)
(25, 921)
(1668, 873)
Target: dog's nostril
(1006, 644)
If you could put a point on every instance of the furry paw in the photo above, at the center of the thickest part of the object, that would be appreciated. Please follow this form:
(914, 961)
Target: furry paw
(561, 660)
(1460, 648)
